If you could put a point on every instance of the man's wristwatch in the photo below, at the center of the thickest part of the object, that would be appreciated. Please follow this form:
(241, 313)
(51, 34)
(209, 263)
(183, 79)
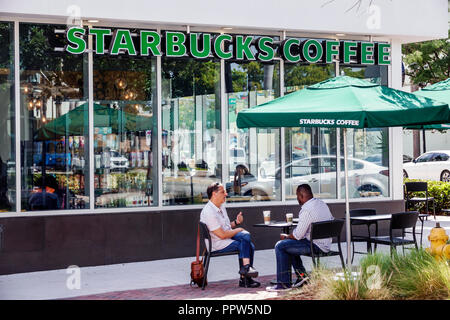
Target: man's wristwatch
(235, 222)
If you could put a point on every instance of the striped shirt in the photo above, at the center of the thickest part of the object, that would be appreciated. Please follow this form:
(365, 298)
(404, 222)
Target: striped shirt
(314, 210)
(216, 218)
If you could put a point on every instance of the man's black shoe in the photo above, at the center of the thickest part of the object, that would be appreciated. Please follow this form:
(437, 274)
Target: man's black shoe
(248, 271)
(248, 283)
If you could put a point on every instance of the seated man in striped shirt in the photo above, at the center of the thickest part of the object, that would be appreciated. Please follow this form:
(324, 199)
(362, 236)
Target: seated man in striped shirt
(290, 247)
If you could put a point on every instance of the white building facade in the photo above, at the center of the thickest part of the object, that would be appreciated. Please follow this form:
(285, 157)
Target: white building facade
(115, 120)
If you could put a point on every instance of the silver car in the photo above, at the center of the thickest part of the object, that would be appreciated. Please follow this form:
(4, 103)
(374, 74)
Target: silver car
(366, 179)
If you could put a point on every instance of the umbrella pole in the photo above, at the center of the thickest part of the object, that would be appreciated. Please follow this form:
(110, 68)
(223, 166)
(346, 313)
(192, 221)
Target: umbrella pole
(347, 205)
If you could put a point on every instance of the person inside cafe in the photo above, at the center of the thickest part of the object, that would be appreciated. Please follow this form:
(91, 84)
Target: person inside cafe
(227, 236)
(291, 246)
(45, 196)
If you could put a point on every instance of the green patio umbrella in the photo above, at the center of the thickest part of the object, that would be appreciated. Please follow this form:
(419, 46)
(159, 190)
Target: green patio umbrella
(345, 102)
(439, 91)
(75, 122)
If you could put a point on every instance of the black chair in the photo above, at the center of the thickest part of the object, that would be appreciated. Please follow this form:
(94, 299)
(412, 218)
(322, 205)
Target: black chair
(399, 221)
(323, 230)
(204, 234)
(411, 200)
(361, 238)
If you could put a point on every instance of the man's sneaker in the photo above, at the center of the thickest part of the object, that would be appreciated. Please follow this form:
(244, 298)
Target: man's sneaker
(277, 288)
(248, 271)
(248, 283)
(301, 280)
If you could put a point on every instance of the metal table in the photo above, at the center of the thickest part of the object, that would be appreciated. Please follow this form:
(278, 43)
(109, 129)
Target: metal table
(388, 216)
(277, 224)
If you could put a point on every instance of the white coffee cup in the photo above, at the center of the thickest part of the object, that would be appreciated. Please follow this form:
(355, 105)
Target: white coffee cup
(289, 217)
(266, 216)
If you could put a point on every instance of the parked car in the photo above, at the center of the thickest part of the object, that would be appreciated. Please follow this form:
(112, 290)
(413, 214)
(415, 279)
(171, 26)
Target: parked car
(118, 161)
(267, 167)
(365, 178)
(407, 158)
(377, 159)
(237, 156)
(432, 165)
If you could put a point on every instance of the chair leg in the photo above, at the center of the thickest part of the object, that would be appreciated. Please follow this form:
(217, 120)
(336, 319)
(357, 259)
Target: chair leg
(353, 253)
(421, 231)
(434, 211)
(206, 265)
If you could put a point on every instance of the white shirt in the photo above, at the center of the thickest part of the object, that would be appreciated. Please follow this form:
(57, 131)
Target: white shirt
(216, 218)
(314, 210)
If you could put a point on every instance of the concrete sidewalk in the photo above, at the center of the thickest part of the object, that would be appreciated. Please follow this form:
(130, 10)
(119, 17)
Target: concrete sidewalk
(163, 279)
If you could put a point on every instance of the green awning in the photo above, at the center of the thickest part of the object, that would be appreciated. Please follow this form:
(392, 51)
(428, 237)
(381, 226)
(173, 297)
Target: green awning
(439, 91)
(345, 102)
(75, 122)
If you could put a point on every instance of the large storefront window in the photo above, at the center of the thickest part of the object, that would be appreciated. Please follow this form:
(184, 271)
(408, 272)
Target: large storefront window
(253, 154)
(310, 153)
(55, 114)
(7, 119)
(54, 122)
(191, 137)
(368, 149)
(125, 131)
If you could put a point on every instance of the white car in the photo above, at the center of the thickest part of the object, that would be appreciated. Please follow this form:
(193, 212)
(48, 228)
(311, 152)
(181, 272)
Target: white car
(267, 167)
(366, 179)
(432, 165)
(237, 156)
(118, 161)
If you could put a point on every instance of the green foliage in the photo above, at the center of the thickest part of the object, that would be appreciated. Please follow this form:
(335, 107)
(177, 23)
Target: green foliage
(304, 75)
(437, 189)
(415, 275)
(427, 62)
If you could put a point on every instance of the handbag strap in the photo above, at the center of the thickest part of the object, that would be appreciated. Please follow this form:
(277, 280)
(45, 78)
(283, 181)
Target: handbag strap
(198, 244)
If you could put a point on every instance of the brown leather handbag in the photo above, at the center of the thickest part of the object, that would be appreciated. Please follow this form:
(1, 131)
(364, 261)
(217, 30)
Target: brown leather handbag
(197, 269)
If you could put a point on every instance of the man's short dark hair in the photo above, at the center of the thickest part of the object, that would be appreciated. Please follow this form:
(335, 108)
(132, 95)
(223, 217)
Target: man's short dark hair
(305, 189)
(211, 188)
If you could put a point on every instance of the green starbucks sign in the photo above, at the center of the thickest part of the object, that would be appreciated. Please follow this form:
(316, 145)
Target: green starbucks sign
(225, 46)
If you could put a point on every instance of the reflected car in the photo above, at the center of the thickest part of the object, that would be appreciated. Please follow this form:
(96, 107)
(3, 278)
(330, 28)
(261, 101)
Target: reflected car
(251, 187)
(365, 178)
(377, 159)
(237, 156)
(432, 165)
(267, 167)
(118, 161)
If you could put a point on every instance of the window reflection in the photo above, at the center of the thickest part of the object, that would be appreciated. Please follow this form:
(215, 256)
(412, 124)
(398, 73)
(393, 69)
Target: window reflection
(368, 149)
(310, 152)
(125, 135)
(7, 119)
(191, 137)
(54, 133)
(253, 153)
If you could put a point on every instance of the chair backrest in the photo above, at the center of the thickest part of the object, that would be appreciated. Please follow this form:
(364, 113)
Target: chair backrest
(416, 186)
(204, 234)
(362, 212)
(403, 220)
(326, 229)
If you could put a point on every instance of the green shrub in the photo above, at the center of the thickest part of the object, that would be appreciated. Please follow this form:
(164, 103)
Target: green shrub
(437, 189)
(415, 275)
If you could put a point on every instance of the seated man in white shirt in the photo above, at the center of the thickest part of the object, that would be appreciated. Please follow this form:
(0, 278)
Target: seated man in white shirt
(226, 236)
(290, 247)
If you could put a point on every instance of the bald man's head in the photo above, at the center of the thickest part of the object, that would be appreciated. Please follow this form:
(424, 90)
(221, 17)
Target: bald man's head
(304, 193)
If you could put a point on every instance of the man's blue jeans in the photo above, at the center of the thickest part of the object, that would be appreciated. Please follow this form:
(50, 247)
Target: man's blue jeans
(242, 242)
(288, 253)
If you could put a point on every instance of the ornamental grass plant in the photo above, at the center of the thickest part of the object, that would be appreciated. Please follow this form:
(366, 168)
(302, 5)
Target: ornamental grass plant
(416, 275)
